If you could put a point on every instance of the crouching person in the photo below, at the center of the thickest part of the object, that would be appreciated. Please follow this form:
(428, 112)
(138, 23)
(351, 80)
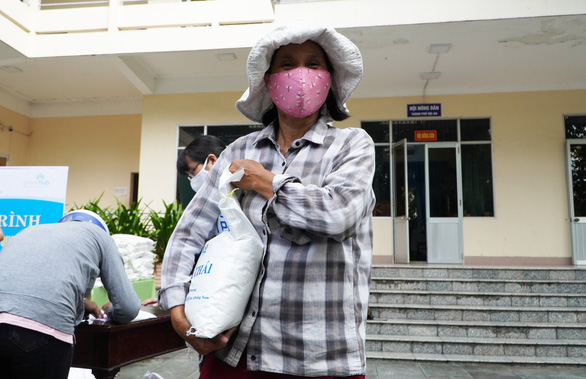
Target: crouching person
(46, 273)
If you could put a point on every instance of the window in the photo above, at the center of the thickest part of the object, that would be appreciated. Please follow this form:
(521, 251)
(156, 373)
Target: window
(187, 133)
(474, 136)
(477, 186)
(380, 132)
(575, 127)
(227, 133)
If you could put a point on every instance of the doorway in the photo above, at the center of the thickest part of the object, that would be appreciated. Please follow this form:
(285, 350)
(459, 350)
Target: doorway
(427, 203)
(427, 222)
(576, 162)
(575, 130)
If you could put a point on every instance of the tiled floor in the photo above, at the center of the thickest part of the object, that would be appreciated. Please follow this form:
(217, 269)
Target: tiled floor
(179, 365)
(408, 370)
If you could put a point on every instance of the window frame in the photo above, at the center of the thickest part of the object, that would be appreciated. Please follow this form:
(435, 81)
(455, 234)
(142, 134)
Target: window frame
(459, 141)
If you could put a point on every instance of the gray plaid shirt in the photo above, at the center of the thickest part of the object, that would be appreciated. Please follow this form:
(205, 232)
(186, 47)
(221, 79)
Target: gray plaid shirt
(307, 312)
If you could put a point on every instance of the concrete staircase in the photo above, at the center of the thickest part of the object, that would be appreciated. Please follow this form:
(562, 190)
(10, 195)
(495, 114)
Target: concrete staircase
(478, 314)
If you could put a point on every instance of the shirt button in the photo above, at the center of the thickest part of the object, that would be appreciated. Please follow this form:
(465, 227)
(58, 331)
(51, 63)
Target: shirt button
(264, 232)
(253, 357)
(282, 164)
(253, 313)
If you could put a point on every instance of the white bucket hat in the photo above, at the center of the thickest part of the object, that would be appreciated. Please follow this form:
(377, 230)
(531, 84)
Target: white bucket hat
(342, 53)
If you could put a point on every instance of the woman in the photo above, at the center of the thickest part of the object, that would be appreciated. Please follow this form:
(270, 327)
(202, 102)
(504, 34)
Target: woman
(198, 157)
(195, 161)
(307, 189)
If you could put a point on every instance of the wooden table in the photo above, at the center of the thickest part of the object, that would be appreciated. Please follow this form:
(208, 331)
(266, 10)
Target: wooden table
(105, 347)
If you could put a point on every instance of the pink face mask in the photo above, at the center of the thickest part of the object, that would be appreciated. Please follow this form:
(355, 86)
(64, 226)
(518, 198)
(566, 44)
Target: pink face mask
(299, 92)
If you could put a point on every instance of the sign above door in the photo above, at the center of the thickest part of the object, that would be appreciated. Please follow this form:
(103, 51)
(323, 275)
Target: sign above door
(425, 135)
(424, 110)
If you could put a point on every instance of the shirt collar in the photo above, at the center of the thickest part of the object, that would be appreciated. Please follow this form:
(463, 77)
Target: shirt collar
(316, 134)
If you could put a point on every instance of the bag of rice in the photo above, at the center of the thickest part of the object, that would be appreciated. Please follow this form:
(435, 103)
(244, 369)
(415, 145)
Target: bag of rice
(226, 270)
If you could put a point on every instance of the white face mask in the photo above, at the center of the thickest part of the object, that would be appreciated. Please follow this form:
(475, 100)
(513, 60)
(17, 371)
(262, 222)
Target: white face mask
(197, 181)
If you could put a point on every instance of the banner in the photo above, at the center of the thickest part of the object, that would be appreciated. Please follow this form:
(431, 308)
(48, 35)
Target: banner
(29, 196)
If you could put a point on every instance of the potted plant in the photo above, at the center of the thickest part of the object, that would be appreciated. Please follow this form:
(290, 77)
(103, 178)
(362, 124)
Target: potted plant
(122, 219)
(129, 220)
(94, 206)
(163, 224)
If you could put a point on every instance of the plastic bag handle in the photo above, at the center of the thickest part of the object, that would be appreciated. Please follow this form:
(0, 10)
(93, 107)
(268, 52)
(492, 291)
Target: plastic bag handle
(190, 332)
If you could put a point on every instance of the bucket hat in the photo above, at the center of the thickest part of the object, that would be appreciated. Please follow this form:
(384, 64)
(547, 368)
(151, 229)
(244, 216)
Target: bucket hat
(342, 53)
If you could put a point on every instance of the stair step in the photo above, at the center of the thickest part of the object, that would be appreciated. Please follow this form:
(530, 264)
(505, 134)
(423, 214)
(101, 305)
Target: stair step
(475, 358)
(476, 329)
(479, 272)
(477, 341)
(479, 285)
(478, 298)
(478, 313)
(534, 315)
(477, 346)
(476, 280)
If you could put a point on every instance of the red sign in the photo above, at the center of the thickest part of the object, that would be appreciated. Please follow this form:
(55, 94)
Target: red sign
(426, 135)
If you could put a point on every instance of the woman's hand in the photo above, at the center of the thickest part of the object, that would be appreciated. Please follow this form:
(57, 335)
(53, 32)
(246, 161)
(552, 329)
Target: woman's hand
(152, 300)
(256, 177)
(92, 308)
(106, 306)
(202, 345)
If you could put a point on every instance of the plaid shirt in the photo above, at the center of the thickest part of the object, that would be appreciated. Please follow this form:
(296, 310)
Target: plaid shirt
(307, 312)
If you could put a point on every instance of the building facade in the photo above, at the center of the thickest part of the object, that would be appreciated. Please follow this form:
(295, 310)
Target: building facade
(481, 166)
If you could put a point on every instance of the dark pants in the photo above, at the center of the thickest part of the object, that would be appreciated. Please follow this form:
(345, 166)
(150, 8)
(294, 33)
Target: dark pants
(25, 354)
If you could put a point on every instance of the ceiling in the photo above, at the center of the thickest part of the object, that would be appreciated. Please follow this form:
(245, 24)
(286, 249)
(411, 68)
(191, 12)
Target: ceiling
(505, 55)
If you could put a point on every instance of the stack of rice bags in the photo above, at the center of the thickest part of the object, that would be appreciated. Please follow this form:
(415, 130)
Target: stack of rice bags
(138, 256)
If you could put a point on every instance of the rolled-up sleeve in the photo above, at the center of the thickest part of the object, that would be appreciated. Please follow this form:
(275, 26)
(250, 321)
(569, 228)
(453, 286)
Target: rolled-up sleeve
(334, 207)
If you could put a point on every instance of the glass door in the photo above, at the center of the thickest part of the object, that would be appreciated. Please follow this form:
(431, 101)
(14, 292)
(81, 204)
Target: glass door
(444, 199)
(576, 163)
(416, 202)
(400, 203)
